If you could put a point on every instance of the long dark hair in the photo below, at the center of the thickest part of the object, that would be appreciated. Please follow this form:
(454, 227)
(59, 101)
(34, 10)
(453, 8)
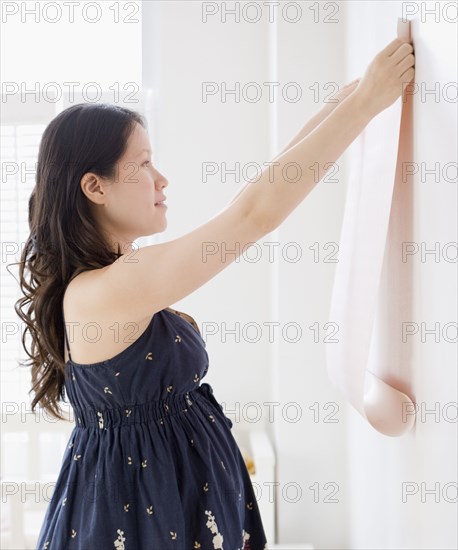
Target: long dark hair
(64, 238)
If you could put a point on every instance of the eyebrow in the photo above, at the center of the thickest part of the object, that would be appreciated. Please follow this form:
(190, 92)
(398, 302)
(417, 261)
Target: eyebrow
(143, 150)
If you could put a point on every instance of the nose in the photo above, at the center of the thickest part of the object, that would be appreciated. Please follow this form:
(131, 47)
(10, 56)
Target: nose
(162, 181)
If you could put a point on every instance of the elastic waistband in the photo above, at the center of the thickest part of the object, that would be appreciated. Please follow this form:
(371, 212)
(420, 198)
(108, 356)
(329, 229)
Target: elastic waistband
(158, 410)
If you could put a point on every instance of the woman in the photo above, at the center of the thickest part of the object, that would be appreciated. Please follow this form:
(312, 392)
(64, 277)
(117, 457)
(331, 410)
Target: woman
(151, 463)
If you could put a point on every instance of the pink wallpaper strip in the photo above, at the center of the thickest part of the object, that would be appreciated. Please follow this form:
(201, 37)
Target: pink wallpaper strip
(375, 172)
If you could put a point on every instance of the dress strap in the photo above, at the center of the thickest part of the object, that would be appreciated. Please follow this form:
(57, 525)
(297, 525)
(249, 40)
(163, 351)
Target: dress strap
(65, 333)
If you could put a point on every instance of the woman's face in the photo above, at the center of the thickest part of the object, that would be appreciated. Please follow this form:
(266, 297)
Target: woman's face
(125, 206)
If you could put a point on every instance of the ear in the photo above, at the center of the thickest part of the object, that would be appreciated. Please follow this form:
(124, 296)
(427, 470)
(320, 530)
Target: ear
(92, 186)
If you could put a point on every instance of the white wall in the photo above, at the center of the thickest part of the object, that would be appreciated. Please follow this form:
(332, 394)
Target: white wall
(311, 451)
(421, 290)
(370, 468)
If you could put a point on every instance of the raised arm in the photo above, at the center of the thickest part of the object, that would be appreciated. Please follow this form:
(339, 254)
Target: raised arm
(160, 275)
(314, 121)
(315, 152)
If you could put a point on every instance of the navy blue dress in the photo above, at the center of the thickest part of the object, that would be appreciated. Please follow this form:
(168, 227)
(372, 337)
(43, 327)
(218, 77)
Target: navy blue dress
(151, 463)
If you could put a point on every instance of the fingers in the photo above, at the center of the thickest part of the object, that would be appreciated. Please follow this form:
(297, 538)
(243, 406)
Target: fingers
(402, 52)
(406, 64)
(408, 76)
(392, 47)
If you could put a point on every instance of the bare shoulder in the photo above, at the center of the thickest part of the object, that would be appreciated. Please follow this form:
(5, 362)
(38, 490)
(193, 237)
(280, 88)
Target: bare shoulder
(97, 328)
(92, 295)
(85, 295)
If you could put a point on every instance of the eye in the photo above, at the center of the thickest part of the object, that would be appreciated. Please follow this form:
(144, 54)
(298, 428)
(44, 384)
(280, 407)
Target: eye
(146, 162)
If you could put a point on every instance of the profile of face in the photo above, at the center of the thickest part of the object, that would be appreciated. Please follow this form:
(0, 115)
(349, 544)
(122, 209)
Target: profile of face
(125, 206)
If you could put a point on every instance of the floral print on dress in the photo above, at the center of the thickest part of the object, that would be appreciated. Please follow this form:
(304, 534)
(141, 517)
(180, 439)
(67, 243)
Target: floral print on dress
(119, 542)
(218, 539)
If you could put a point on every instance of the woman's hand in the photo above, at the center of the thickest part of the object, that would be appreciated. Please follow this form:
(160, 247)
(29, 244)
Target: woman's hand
(383, 81)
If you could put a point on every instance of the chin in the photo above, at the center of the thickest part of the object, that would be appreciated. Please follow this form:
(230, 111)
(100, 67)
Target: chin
(159, 228)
